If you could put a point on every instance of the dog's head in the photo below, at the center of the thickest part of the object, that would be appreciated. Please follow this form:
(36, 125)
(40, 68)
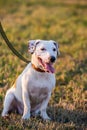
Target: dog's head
(44, 54)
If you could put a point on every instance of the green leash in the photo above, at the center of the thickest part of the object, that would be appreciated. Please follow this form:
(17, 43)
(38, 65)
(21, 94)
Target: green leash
(10, 45)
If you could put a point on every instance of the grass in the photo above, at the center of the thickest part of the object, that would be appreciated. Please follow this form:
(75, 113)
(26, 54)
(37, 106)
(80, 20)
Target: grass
(66, 23)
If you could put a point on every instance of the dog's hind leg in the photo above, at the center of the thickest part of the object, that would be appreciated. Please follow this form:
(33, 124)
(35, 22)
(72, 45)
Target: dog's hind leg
(8, 102)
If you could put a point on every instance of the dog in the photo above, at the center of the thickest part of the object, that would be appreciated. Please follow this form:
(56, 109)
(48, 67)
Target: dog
(33, 87)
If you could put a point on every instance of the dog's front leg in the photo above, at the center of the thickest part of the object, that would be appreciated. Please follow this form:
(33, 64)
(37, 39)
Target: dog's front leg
(26, 102)
(43, 108)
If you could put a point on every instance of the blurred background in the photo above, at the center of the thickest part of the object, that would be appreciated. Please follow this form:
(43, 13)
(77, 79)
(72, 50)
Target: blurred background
(64, 22)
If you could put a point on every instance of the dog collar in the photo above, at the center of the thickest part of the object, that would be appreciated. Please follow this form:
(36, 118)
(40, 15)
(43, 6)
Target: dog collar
(37, 69)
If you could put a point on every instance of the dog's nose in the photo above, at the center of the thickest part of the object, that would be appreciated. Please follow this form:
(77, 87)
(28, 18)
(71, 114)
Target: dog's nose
(52, 59)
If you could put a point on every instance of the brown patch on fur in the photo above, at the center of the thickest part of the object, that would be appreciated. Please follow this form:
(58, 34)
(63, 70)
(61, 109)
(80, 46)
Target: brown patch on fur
(37, 69)
(14, 86)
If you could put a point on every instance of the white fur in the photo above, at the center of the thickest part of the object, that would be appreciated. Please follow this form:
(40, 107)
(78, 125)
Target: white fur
(32, 89)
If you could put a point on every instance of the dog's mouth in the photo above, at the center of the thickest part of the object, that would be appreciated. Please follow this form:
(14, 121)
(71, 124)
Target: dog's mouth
(46, 66)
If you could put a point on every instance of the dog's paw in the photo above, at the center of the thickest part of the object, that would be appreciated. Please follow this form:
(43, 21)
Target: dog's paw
(26, 116)
(45, 116)
(4, 114)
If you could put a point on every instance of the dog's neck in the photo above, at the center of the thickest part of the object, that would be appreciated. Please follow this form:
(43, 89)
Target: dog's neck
(37, 68)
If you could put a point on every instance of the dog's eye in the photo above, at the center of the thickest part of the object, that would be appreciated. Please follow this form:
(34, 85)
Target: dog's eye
(43, 49)
(54, 49)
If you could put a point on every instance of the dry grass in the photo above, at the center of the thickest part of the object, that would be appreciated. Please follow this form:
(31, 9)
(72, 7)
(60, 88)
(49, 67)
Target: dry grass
(65, 22)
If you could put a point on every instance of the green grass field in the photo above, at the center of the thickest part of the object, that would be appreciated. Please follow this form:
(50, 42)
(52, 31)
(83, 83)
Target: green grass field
(66, 23)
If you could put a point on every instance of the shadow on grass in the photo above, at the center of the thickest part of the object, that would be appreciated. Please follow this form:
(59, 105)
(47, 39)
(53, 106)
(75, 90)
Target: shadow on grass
(61, 115)
(61, 119)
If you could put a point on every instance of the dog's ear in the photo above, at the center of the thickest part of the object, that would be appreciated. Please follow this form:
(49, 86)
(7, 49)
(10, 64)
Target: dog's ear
(57, 47)
(32, 45)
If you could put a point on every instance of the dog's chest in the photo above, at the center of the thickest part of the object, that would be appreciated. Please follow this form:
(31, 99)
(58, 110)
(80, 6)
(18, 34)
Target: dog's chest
(40, 86)
(37, 95)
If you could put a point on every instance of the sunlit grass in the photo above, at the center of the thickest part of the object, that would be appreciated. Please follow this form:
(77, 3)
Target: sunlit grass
(66, 23)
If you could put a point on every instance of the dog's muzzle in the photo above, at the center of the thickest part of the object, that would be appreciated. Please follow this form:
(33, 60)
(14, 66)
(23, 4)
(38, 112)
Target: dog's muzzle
(47, 66)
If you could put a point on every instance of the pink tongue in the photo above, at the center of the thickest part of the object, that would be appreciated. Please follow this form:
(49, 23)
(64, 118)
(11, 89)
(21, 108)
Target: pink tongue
(49, 68)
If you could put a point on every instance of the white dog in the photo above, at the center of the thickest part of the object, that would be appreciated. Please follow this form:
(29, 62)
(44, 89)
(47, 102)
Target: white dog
(32, 89)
